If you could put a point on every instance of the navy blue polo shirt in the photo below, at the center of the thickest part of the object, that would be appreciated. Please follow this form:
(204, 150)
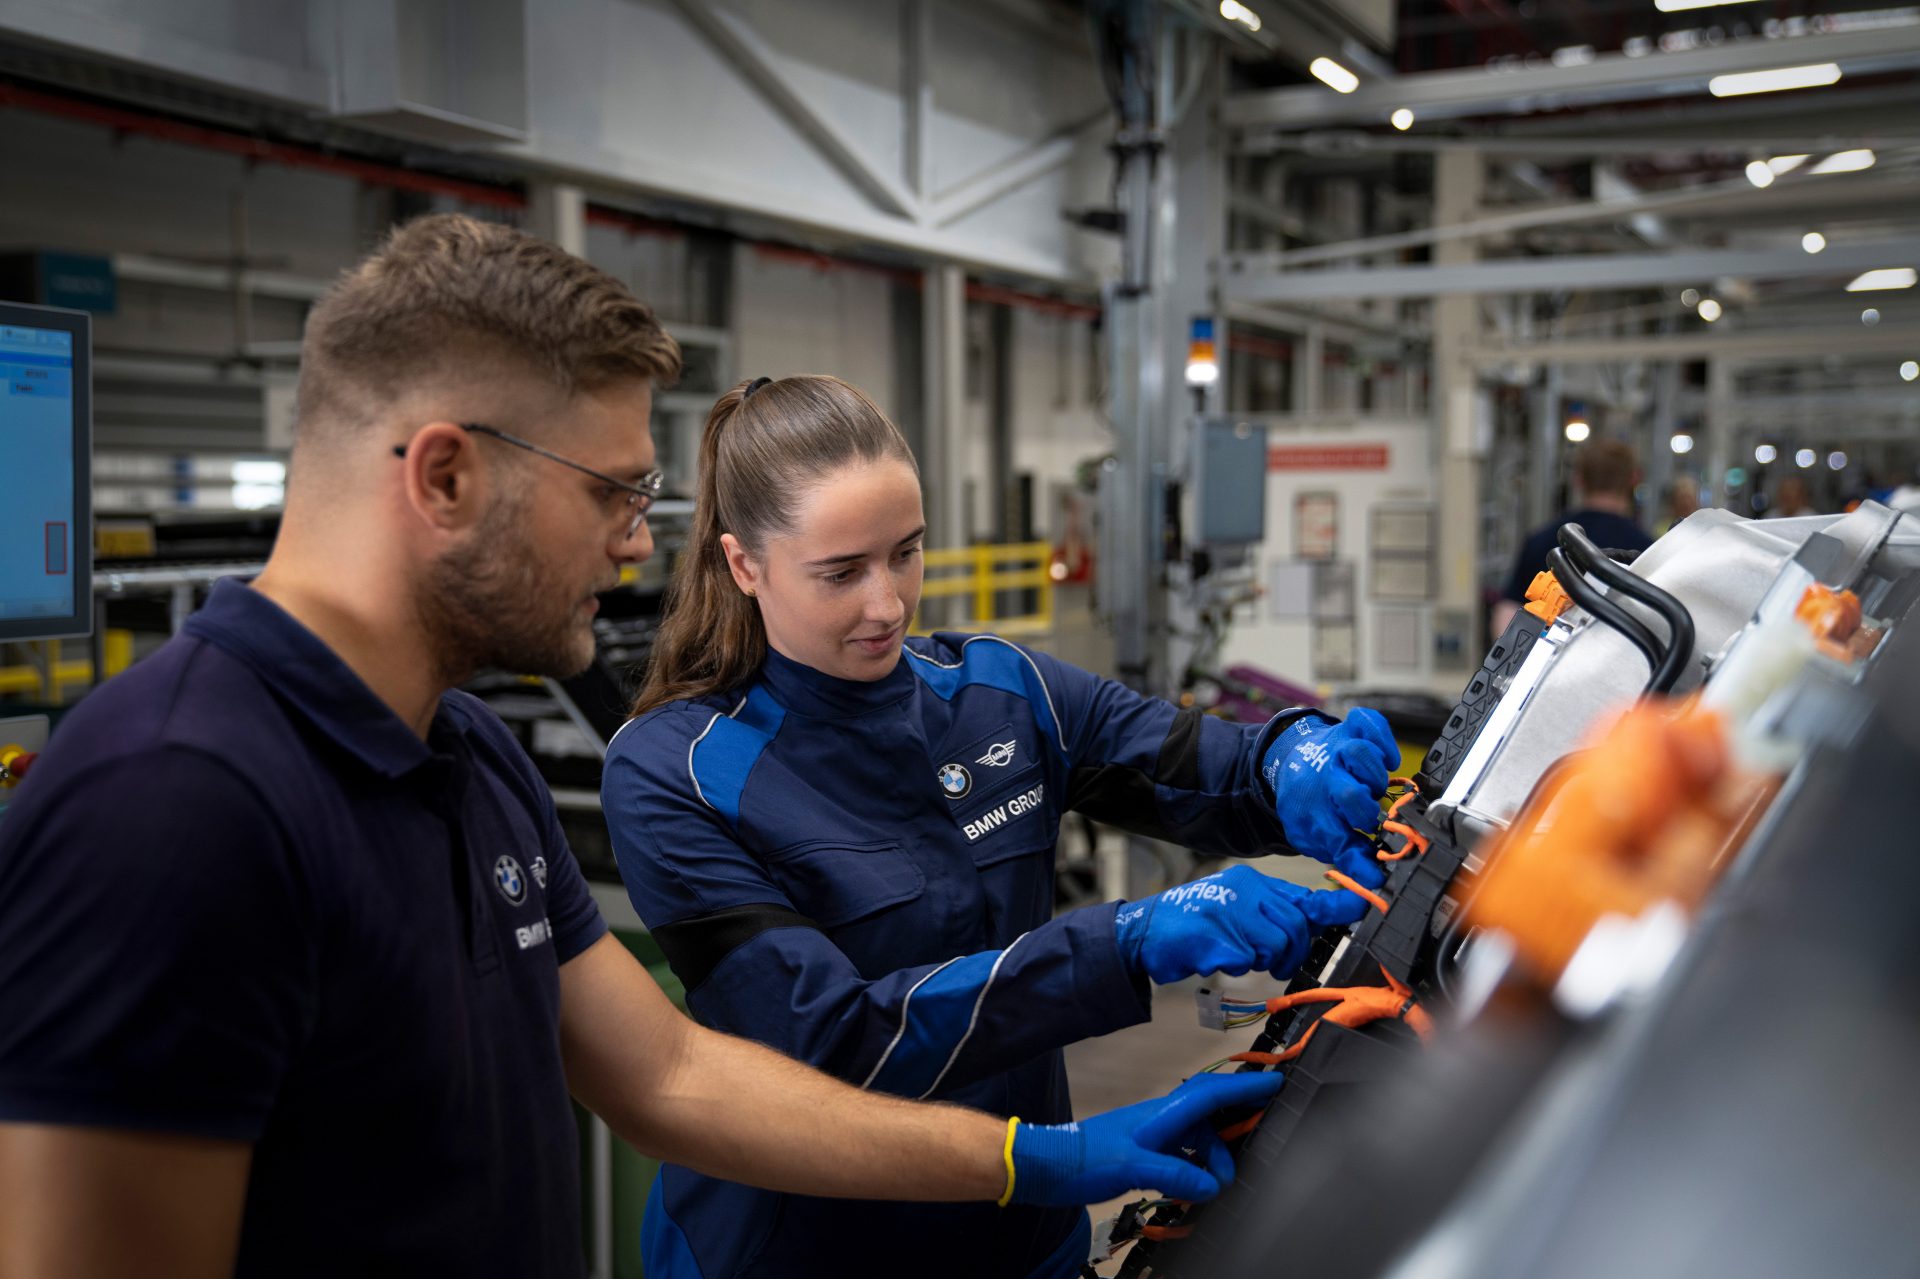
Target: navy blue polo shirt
(1609, 531)
(239, 898)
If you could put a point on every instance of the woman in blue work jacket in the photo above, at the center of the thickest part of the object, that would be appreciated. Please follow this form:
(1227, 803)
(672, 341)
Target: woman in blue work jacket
(843, 838)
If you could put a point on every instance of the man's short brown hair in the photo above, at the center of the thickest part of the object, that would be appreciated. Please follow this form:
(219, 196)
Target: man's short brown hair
(450, 297)
(1607, 466)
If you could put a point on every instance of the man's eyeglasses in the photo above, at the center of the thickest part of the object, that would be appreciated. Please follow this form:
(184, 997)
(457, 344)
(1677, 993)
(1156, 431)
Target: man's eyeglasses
(639, 496)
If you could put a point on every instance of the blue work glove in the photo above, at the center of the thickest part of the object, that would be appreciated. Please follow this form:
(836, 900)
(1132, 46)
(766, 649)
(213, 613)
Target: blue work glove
(1137, 1147)
(1235, 921)
(1327, 781)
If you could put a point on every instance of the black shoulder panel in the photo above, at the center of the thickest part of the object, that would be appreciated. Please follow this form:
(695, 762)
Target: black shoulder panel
(694, 947)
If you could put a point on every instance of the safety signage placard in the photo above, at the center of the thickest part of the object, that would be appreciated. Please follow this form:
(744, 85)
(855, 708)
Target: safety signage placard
(1327, 457)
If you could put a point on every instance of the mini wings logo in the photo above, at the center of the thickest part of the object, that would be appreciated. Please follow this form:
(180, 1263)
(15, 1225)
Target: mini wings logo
(998, 755)
(955, 780)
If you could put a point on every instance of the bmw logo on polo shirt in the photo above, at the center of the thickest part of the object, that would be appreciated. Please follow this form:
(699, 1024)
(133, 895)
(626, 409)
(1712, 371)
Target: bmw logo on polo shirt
(955, 781)
(508, 878)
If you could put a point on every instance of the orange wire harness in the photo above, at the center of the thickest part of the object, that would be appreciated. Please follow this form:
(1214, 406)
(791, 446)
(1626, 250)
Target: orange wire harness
(1242, 1128)
(1367, 895)
(1415, 841)
(1353, 1007)
(1165, 1232)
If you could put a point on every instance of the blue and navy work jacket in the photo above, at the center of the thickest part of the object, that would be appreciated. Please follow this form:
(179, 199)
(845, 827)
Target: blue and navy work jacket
(860, 875)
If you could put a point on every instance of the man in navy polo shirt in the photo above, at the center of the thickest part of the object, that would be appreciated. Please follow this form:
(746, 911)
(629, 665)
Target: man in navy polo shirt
(296, 969)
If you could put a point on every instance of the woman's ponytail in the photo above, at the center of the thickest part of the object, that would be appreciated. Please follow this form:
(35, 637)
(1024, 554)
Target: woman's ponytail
(712, 637)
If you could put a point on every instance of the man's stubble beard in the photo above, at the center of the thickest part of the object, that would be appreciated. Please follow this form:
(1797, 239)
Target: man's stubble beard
(485, 605)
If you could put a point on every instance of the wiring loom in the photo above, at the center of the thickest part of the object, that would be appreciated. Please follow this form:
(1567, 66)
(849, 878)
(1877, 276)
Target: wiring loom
(1369, 985)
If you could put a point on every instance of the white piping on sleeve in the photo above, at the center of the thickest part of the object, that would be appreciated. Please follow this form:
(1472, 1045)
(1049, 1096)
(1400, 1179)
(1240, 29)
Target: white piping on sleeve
(973, 1020)
(901, 1033)
(693, 776)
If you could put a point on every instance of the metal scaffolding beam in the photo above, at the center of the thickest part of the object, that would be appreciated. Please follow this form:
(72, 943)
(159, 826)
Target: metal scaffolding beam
(1610, 77)
(1357, 142)
(1813, 344)
(916, 42)
(749, 54)
(1015, 172)
(1496, 224)
(1577, 272)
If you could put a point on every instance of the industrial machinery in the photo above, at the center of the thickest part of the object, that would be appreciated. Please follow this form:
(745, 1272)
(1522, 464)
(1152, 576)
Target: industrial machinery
(1632, 998)
(46, 490)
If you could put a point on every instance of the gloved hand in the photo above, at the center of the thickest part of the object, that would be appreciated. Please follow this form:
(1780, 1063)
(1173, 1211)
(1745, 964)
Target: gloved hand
(1134, 1148)
(1327, 781)
(1231, 922)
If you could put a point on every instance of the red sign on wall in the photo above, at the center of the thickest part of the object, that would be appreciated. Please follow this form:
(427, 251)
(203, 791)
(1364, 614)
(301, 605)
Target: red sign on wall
(1327, 457)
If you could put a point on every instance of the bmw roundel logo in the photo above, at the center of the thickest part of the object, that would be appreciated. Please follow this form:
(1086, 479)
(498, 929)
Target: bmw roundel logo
(955, 780)
(509, 879)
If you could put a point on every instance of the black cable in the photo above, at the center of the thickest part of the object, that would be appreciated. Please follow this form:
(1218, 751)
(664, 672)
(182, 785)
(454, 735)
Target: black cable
(1582, 592)
(1680, 637)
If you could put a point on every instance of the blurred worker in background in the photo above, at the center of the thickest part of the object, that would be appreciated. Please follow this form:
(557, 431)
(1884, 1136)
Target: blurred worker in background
(1682, 500)
(296, 968)
(843, 838)
(1605, 474)
(1791, 499)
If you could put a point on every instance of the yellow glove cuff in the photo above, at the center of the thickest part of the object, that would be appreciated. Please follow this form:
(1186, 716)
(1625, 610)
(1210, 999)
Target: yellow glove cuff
(1006, 1196)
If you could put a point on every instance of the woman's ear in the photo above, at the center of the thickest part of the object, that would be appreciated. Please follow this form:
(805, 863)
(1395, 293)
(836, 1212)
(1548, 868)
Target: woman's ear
(746, 573)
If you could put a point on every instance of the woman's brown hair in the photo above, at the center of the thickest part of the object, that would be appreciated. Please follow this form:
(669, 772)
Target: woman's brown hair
(764, 445)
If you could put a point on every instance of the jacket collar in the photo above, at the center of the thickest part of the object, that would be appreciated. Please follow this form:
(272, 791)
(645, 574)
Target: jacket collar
(803, 690)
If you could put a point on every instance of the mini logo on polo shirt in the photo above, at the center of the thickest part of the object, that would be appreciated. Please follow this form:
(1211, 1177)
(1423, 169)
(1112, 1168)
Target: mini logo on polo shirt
(955, 780)
(540, 871)
(999, 755)
(509, 879)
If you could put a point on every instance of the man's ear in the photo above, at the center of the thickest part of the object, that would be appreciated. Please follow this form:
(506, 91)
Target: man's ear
(442, 477)
(746, 570)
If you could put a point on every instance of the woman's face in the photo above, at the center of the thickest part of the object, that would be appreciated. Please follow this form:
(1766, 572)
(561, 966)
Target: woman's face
(837, 593)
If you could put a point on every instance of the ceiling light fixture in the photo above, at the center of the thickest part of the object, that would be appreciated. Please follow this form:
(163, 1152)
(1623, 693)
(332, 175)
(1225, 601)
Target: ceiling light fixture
(1234, 11)
(1681, 443)
(1845, 162)
(1578, 431)
(1401, 119)
(1773, 81)
(1681, 6)
(1813, 242)
(1710, 310)
(1909, 370)
(1803, 459)
(1333, 75)
(1765, 453)
(1759, 173)
(1887, 277)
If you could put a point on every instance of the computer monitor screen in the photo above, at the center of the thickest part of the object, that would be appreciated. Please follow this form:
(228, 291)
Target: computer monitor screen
(46, 473)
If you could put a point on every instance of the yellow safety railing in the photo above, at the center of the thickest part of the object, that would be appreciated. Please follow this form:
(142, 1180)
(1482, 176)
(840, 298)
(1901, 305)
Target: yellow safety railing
(49, 677)
(979, 573)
